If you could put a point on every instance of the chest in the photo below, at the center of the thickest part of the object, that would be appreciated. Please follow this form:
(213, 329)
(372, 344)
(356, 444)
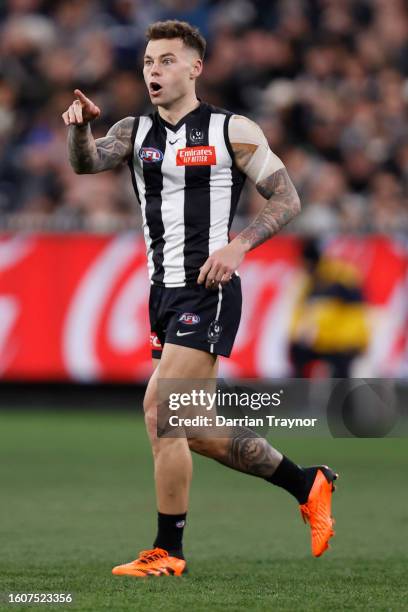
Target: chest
(190, 153)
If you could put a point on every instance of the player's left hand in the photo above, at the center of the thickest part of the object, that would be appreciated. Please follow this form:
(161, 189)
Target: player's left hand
(220, 266)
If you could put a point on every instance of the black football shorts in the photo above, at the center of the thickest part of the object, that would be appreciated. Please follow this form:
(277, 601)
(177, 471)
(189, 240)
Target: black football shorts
(193, 316)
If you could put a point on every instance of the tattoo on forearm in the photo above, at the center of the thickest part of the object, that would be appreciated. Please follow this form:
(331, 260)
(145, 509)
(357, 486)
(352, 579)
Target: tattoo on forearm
(283, 204)
(87, 155)
(249, 453)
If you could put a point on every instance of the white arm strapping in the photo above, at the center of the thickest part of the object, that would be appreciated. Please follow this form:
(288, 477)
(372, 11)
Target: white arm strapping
(263, 161)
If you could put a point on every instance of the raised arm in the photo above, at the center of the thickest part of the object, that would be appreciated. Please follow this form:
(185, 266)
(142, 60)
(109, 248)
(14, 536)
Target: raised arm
(87, 155)
(254, 157)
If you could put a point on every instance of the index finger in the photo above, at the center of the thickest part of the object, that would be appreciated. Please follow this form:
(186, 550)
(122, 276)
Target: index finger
(82, 96)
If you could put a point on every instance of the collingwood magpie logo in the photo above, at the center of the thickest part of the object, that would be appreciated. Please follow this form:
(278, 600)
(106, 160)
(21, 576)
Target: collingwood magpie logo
(214, 332)
(196, 135)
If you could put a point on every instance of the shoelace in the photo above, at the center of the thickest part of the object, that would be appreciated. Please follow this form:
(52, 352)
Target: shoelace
(146, 556)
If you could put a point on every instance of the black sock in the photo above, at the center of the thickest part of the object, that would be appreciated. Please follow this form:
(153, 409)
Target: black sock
(294, 479)
(170, 529)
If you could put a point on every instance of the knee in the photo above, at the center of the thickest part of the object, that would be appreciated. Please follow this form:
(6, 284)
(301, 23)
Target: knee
(150, 415)
(149, 404)
(156, 420)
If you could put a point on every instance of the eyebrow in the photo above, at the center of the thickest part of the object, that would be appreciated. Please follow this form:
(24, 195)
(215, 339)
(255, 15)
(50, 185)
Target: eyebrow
(160, 56)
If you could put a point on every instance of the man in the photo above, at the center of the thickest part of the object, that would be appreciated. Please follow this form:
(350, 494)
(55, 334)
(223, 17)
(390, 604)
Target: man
(329, 326)
(188, 162)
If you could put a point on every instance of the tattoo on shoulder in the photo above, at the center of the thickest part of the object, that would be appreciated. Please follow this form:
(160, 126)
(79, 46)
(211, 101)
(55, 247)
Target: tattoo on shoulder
(282, 205)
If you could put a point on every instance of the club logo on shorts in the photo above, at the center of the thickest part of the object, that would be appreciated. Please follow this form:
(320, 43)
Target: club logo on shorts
(150, 155)
(214, 332)
(196, 135)
(189, 318)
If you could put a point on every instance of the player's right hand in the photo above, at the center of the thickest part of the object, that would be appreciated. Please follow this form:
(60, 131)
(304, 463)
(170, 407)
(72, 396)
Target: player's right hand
(81, 111)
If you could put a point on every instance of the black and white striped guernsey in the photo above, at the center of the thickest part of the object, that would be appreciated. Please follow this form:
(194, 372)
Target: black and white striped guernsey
(188, 187)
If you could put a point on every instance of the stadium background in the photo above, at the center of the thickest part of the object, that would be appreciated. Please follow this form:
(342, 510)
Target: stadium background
(328, 82)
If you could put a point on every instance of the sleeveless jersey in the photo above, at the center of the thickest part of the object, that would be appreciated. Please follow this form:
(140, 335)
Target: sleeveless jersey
(188, 187)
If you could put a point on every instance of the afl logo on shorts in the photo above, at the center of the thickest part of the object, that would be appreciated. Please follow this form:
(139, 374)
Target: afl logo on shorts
(214, 332)
(189, 318)
(150, 155)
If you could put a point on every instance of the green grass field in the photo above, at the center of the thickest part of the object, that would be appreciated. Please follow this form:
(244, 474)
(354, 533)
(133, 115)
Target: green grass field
(77, 498)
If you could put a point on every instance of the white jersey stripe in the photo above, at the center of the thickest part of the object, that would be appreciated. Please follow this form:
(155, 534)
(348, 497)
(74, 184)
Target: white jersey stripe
(145, 123)
(172, 210)
(220, 185)
(217, 314)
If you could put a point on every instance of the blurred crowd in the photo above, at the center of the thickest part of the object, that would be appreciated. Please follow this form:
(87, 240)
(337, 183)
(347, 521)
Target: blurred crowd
(327, 80)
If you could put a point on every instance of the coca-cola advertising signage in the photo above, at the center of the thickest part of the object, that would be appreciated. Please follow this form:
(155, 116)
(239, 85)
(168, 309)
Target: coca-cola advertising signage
(74, 307)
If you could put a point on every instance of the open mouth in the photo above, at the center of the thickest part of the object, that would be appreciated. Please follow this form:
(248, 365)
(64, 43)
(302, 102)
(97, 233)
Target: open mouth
(155, 87)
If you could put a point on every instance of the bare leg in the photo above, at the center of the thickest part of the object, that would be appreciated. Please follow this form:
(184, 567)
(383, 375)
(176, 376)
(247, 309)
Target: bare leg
(172, 456)
(243, 450)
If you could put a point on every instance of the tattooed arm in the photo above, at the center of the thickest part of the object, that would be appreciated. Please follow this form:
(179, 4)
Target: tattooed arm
(86, 155)
(254, 157)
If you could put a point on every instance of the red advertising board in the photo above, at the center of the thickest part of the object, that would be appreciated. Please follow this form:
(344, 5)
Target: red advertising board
(74, 307)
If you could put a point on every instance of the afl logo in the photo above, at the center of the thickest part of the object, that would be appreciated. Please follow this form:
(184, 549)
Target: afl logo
(188, 318)
(150, 155)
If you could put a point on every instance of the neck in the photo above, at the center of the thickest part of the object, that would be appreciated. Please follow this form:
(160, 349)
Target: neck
(178, 109)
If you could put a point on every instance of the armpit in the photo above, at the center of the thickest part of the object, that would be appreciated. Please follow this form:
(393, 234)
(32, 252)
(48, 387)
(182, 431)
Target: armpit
(251, 150)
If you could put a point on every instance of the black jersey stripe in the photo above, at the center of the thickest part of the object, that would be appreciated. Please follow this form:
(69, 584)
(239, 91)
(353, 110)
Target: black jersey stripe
(238, 180)
(238, 177)
(197, 202)
(153, 178)
(131, 161)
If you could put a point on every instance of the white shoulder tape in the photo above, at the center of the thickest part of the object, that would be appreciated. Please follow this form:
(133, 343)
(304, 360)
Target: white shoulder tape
(263, 162)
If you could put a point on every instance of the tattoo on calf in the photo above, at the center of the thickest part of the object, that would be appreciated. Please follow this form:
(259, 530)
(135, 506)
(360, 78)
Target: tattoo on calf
(251, 454)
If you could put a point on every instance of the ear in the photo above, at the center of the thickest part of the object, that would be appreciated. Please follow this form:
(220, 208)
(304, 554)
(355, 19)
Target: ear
(196, 68)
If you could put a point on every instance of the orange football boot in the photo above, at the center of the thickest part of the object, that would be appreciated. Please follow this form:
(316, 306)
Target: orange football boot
(155, 562)
(317, 510)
